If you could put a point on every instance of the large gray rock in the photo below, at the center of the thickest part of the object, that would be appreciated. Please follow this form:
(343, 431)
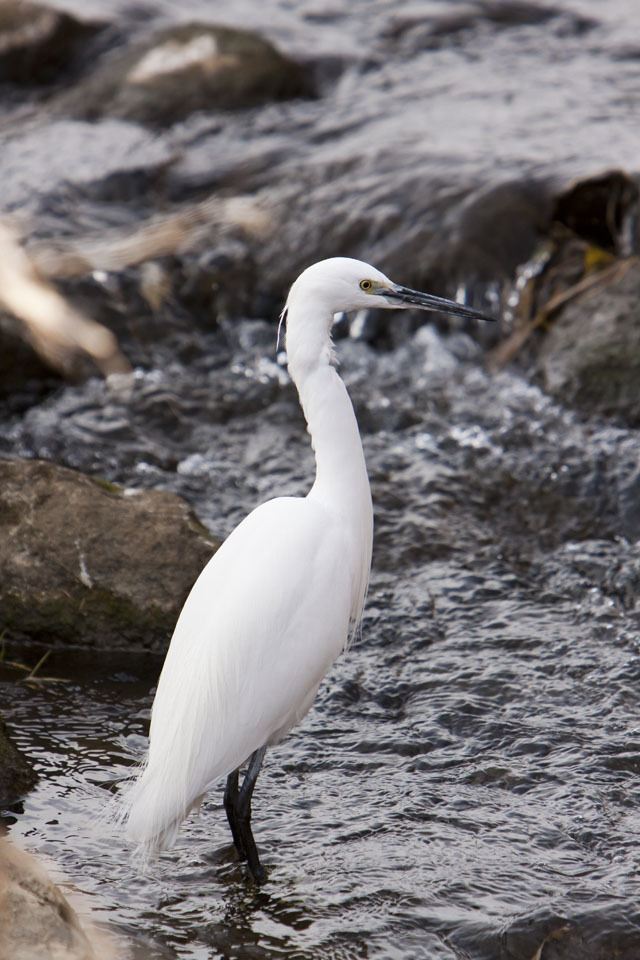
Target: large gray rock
(186, 68)
(82, 561)
(590, 357)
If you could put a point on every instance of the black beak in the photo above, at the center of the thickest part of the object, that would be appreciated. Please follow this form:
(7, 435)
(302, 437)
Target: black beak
(405, 297)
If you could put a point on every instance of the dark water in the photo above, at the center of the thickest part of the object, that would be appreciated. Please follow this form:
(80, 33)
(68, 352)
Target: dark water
(466, 785)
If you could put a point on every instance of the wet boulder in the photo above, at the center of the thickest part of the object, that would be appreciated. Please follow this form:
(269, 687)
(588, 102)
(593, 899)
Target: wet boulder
(491, 233)
(86, 562)
(37, 922)
(183, 69)
(17, 775)
(590, 356)
(40, 45)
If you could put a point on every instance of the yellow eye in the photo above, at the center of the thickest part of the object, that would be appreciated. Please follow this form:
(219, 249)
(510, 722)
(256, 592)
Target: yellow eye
(366, 285)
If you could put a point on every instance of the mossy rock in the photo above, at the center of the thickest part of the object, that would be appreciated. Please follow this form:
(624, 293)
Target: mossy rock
(86, 562)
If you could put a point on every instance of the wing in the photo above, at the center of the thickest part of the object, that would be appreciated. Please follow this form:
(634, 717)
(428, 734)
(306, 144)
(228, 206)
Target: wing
(263, 623)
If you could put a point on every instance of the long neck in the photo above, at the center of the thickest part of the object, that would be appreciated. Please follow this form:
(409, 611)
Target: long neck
(341, 483)
(341, 472)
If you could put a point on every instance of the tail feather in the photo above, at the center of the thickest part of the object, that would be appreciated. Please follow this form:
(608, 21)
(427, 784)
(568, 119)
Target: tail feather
(152, 811)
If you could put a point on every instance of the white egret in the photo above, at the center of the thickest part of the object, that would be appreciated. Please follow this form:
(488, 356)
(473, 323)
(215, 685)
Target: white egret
(276, 604)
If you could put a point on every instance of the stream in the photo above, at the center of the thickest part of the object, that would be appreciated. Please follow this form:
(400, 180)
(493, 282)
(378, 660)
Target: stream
(466, 785)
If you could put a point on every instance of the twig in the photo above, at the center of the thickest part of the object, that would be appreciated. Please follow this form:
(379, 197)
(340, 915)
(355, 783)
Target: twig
(506, 351)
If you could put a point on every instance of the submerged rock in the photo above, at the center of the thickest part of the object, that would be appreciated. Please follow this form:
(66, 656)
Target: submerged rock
(599, 934)
(17, 775)
(82, 561)
(186, 68)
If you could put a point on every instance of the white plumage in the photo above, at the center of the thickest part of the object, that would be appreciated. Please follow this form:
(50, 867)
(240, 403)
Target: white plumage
(274, 607)
(248, 673)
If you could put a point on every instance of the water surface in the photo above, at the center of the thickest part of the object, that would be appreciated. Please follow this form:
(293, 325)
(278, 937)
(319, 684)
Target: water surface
(466, 785)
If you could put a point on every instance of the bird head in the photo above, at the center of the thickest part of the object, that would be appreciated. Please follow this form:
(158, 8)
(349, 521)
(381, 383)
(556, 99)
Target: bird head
(341, 284)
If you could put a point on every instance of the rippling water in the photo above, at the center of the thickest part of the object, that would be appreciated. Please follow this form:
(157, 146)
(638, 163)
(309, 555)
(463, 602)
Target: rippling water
(466, 785)
(467, 781)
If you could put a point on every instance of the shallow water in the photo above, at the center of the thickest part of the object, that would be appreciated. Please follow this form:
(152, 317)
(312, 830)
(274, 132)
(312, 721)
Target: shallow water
(444, 786)
(466, 785)
(468, 777)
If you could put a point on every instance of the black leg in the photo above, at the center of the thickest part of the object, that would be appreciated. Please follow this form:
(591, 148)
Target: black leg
(237, 803)
(230, 802)
(243, 814)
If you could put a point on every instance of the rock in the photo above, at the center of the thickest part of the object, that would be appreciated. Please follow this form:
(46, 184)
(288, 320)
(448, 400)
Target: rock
(604, 932)
(183, 69)
(603, 211)
(491, 233)
(37, 922)
(83, 561)
(39, 45)
(590, 357)
(17, 775)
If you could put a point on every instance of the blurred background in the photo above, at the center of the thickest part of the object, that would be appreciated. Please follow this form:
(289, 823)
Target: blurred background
(466, 785)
